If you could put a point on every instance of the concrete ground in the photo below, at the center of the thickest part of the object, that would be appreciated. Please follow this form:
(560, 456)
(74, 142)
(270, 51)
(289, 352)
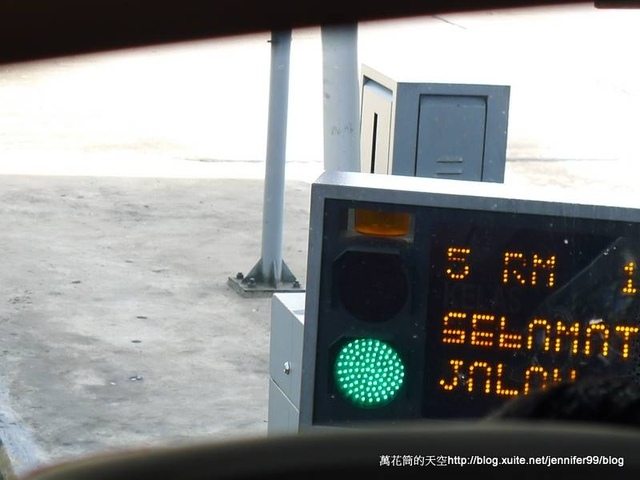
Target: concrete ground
(118, 326)
(131, 189)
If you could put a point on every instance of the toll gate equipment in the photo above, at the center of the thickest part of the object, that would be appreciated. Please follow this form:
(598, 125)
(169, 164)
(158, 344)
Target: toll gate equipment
(442, 300)
(442, 130)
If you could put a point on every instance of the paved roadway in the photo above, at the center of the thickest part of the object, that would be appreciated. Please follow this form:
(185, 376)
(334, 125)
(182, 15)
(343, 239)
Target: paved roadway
(130, 190)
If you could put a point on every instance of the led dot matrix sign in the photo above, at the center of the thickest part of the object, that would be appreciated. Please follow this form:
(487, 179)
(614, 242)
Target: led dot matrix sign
(432, 304)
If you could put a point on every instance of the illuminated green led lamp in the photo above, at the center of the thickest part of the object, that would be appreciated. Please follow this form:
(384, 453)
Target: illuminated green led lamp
(368, 372)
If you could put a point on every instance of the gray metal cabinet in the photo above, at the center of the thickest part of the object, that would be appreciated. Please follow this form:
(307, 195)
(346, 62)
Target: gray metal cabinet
(433, 129)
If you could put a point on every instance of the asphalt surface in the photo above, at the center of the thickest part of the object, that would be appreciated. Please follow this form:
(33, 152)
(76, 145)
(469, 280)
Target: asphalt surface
(131, 189)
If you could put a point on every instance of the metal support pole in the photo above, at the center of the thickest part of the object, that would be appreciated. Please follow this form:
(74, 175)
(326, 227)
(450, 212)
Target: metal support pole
(271, 274)
(341, 102)
(273, 216)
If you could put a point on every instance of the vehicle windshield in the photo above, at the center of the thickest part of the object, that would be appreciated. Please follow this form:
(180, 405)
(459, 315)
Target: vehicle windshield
(132, 189)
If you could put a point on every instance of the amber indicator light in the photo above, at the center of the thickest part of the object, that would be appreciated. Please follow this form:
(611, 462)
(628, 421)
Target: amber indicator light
(382, 223)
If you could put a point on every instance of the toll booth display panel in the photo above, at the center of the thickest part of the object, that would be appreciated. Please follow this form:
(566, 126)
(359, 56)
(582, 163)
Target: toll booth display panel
(518, 302)
(459, 310)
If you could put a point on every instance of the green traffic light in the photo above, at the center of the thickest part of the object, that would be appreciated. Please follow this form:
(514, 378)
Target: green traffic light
(368, 372)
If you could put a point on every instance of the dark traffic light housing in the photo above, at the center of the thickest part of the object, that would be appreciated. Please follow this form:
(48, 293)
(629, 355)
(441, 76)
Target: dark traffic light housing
(422, 303)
